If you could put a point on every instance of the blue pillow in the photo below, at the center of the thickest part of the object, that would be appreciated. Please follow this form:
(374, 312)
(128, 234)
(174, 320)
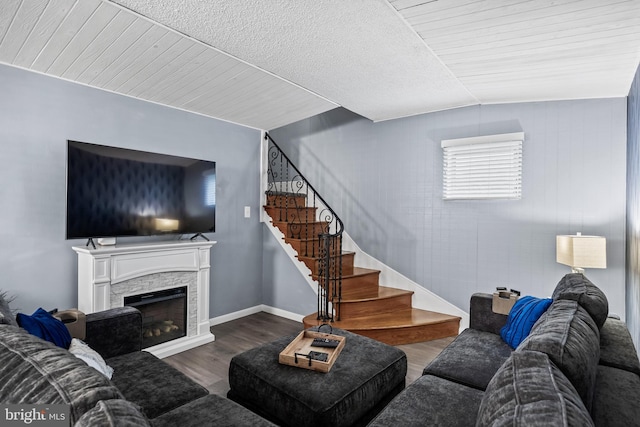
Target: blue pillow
(524, 313)
(43, 325)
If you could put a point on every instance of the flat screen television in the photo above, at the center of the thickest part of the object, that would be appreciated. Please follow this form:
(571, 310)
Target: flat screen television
(114, 192)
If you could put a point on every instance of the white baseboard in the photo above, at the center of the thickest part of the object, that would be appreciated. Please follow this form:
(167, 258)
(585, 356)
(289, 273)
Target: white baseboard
(283, 313)
(179, 345)
(235, 315)
(253, 310)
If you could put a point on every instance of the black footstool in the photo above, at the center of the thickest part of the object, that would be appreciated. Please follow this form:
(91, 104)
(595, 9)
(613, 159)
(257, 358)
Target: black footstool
(365, 377)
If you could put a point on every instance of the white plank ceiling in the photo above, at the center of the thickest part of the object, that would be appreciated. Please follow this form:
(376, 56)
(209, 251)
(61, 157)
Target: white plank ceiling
(515, 50)
(267, 63)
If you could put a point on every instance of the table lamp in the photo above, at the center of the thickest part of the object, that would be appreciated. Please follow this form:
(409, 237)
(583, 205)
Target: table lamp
(580, 252)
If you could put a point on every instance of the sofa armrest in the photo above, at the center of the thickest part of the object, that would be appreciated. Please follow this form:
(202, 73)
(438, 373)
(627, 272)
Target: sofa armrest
(481, 315)
(616, 346)
(115, 331)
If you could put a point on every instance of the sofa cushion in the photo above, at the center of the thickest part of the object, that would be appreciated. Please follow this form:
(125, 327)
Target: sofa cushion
(577, 287)
(36, 371)
(616, 398)
(6, 316)
(211, 410)
(154, 385)
(113, 413)
(471, 359)
(571, 338)
(529, 390)
(616, 347)
(522, 316)
(431, 401)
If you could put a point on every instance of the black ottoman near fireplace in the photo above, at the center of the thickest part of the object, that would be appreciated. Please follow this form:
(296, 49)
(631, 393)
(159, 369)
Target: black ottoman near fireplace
(365, 377)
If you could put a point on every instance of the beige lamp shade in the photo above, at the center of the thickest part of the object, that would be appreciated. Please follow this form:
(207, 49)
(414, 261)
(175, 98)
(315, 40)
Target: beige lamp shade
(581, 252)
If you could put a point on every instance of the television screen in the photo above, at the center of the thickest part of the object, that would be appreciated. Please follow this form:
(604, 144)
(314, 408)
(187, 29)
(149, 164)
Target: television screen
(120, 192)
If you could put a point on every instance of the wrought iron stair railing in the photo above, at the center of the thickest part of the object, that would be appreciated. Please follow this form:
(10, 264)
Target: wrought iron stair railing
(311, 221)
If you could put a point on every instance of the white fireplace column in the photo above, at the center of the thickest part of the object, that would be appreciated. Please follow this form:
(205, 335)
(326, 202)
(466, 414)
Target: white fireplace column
(105, 273)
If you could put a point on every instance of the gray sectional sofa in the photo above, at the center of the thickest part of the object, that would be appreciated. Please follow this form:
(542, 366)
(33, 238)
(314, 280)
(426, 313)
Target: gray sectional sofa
(143, 390)
(577, 367)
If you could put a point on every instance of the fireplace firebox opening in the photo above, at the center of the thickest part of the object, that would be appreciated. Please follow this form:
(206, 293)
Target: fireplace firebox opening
(164, 315)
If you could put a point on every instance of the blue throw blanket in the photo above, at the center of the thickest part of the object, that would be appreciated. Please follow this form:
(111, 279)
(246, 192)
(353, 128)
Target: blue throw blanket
(42, 324)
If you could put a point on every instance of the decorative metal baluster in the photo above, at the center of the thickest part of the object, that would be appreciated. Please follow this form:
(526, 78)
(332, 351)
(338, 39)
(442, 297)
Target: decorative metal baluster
(324, 281)
(325, 241)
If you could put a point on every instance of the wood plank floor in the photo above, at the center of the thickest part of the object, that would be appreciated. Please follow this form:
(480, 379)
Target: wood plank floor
(208, 364)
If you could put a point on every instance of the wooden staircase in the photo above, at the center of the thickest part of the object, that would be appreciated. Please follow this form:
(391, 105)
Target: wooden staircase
(383, 313)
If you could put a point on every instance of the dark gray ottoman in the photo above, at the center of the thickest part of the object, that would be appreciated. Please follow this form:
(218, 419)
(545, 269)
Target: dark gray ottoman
(364, 378)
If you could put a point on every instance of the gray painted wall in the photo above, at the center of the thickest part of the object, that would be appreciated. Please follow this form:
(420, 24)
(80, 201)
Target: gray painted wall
(37, 116)
(283, 285)
(633, 210)
(384, 180)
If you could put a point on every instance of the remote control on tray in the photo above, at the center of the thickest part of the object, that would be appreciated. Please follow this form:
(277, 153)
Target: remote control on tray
(325, 342)
(318, 355)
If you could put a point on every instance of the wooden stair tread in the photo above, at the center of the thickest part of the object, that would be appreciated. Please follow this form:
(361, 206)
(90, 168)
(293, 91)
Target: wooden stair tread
(299, 222)
(360, 295)
(284, 193)
(357, 271)
(311, 208)
(300, 240)
(398, 319)
(319, 257)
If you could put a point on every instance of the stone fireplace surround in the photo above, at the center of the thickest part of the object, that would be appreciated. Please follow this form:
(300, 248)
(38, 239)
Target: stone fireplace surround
(109, 273)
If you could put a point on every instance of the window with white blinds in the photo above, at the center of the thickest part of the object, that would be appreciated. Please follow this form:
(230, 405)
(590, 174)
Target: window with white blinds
(484, 167)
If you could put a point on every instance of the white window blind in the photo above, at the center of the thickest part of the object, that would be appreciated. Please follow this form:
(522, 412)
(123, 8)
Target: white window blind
(484, 167)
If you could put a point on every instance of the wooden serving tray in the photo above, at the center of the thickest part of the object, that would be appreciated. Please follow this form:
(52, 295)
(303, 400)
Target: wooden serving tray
(302, 346)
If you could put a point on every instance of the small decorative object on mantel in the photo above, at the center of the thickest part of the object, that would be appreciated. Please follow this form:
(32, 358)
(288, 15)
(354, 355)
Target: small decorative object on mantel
(313, 350)
(504, 299)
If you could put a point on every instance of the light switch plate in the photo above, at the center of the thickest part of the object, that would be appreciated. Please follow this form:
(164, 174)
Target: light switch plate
(247, 211)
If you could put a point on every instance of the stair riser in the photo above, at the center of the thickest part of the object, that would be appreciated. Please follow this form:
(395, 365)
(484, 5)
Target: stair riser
(303, 230)
(290, 201)
(365, 282)
(349, 310)
(307, 248)
(314, 264)
(409, 335)
(291, 214)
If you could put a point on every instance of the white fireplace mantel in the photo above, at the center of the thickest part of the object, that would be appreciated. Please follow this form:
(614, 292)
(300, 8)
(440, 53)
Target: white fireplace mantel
(107, 267)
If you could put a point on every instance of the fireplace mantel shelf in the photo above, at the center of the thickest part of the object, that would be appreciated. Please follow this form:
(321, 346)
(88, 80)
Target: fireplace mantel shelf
(142, 247)
(104, 273)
